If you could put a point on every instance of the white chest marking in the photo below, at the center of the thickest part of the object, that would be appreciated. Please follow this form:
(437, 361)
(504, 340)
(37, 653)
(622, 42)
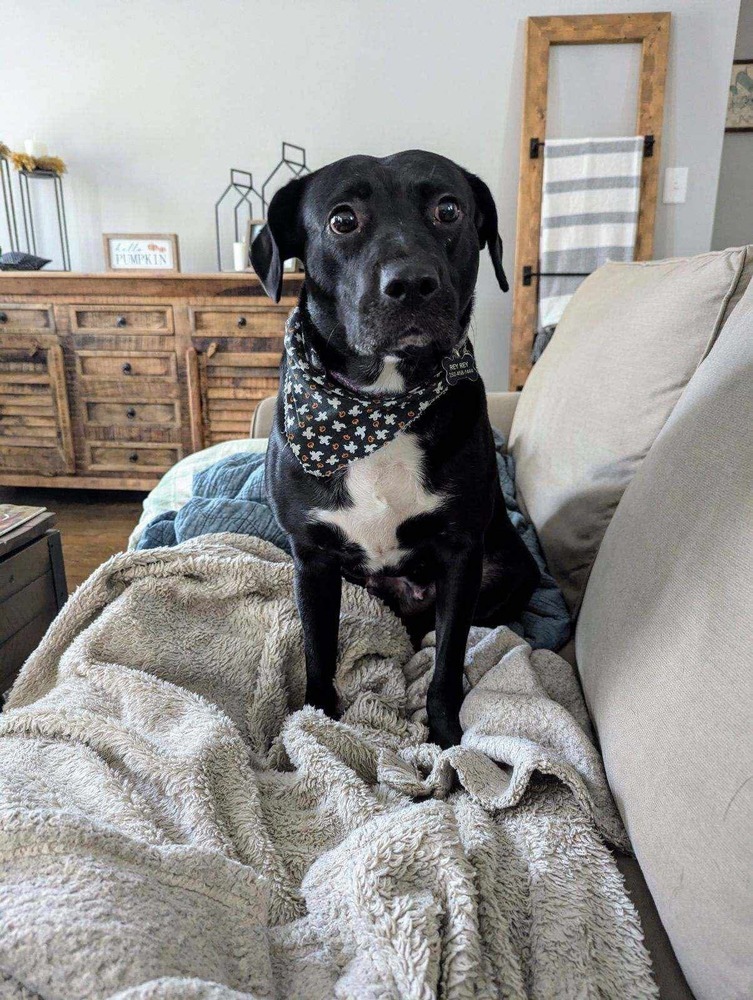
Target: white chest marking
(385, 489)
(389, 378)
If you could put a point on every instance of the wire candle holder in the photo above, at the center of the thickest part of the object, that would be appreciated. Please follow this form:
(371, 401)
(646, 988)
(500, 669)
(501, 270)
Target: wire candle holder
(242, 184)
(294, 158)
(24, 176)
(8, 203)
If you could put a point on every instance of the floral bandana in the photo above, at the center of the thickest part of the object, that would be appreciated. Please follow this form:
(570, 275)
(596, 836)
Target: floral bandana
(329, 426)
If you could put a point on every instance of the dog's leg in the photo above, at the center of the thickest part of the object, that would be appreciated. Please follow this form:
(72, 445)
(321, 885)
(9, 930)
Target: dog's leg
(458, 585)
(510, 572)
(318, 588)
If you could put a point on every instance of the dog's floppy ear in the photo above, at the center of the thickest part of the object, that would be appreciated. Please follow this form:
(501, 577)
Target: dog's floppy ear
(281, 238)
(486, 225)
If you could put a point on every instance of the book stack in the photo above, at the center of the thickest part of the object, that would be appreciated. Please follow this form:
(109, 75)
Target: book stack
(13, 516)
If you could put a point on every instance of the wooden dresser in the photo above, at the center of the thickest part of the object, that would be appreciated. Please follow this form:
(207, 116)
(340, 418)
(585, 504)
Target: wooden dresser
(106, 380)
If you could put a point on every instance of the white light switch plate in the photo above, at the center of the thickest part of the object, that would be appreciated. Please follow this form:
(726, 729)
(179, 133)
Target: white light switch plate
(675, 185)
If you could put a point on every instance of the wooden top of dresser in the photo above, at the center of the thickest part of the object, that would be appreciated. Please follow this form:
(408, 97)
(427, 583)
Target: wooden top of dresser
(48, 284)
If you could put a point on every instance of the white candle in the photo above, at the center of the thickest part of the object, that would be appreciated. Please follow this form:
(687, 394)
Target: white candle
(35, 148)
(239, 256)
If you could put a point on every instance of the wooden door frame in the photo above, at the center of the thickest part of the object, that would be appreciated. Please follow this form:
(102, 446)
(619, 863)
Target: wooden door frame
(196, 399)
(651, 31)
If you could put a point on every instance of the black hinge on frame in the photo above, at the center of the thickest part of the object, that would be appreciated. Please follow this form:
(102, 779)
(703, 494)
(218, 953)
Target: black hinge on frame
(536, 144)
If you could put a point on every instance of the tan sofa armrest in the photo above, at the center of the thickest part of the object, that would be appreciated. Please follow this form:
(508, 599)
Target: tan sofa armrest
(261, 422)
(501, 411)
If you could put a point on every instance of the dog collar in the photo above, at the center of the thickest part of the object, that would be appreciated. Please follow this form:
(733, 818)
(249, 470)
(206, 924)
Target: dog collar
(328, 425)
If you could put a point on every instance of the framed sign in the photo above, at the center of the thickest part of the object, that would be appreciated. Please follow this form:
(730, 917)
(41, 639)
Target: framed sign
(740, 104)
(253, 228)
(142, 252)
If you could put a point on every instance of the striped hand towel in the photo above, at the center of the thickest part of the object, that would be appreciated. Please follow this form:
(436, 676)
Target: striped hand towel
(589, 212)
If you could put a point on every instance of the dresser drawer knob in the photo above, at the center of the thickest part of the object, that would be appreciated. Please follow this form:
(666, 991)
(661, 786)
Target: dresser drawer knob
(242, 321)
(121, 321)
(130, 413)
(133, 457)
(127, 368)
(3, 317)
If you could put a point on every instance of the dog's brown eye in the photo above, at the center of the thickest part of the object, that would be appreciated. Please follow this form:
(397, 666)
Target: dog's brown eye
(343, 220)
(447, 210)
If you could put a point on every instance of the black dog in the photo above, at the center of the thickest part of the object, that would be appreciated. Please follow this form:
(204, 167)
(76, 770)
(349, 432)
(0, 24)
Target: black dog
(381, 463)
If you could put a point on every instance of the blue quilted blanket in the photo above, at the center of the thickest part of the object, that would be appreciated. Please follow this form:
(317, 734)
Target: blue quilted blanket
(230, 496)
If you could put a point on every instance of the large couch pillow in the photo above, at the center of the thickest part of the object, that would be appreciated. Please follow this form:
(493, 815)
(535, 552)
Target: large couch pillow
(664, 646)
(627, 345)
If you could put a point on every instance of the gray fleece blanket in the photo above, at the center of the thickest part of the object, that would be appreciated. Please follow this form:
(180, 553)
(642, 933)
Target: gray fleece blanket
(231, 496)
(174, 824)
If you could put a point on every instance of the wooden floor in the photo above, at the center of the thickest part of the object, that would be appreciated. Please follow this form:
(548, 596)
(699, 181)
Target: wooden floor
(93, 524)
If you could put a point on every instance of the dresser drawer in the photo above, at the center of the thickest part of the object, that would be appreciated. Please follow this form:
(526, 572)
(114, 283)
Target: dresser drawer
(122, 367)
(15, 317)
(264, 321)
(99, 413)
(127, 319)
(112, 456)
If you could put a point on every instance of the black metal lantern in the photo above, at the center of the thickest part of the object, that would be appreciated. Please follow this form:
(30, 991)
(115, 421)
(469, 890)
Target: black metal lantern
(242, 185)
(293, 159)
(8, 203)
(24, 176)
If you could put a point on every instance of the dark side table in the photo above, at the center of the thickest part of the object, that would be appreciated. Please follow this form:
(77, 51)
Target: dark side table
(32, 591)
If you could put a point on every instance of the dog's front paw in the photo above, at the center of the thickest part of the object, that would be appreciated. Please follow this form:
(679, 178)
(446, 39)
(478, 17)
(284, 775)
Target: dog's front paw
(445, 734)
(444, 723)
(322, 696)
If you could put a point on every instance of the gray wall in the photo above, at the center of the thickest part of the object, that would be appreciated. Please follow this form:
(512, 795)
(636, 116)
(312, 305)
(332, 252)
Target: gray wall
(733, 225)
(151, 102)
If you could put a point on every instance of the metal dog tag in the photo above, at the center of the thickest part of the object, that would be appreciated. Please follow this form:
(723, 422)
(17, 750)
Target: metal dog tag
(458, 367)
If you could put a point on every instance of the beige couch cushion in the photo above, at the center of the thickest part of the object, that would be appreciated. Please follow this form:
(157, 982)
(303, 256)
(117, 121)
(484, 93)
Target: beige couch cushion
(628, 343)
(665, 651)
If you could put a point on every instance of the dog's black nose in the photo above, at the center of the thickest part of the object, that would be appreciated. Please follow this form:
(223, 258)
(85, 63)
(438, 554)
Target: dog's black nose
(406, 282)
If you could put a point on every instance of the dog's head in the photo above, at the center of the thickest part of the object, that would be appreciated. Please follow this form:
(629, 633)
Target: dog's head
(391, 250)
